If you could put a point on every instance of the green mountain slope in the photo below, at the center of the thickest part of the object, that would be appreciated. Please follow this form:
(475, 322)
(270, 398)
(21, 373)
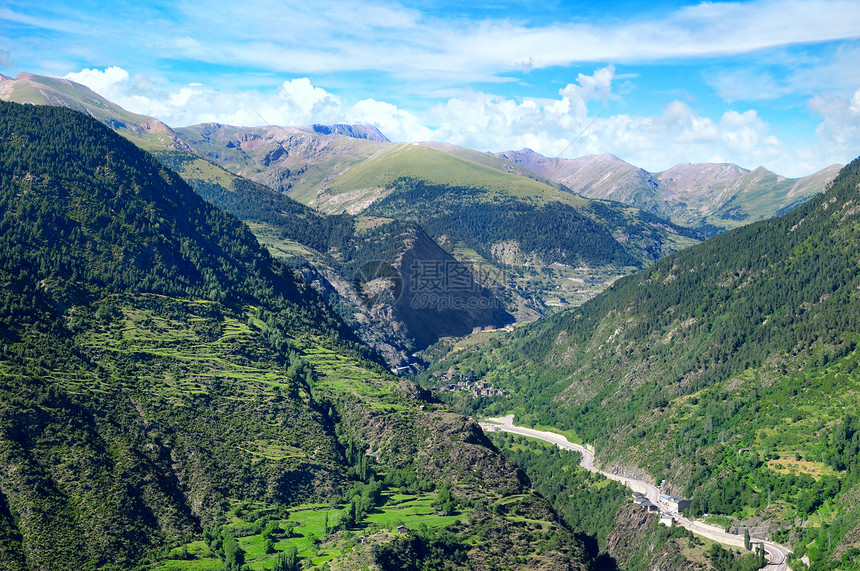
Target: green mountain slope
(371, 180)
(292, 160)
(730, 369)
(146, 132)
(542, 242)
(346, 169)
(761, 194)
(409, 181)
(551, 246)
(340, 252)
(171, 396)
(481, 219)
(339, 175)
(330, 250)
(484, 183)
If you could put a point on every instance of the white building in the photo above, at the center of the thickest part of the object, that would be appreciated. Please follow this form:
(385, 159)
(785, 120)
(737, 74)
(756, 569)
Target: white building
(677, 505)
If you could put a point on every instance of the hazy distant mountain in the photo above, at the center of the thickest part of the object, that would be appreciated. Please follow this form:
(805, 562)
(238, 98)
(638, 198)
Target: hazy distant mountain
(710, 196)
(596, 176)
(294, 160)
(726, 195)
(368, 132)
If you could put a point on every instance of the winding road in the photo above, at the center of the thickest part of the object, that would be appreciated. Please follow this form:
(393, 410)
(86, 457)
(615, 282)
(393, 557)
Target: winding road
(776, 553)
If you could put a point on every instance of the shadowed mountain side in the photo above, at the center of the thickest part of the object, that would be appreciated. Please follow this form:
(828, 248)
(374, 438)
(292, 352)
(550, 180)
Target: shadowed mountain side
(440, 295)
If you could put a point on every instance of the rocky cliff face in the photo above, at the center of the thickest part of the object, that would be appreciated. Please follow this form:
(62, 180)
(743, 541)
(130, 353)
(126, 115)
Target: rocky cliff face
(368, 132)
(638, 541)
(409, 296)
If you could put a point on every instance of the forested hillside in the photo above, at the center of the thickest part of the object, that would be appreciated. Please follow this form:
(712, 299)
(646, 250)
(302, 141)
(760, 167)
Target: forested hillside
(730, 369)
(341, 254)
(479, 219)
(491, 202)
(172, 396)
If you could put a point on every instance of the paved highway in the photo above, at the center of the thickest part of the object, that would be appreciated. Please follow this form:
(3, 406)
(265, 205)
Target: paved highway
(776, 553)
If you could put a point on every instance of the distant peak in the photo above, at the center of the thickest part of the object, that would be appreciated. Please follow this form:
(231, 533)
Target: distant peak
(761, 170)
(612, 158)
(524, 152)
(368, 132)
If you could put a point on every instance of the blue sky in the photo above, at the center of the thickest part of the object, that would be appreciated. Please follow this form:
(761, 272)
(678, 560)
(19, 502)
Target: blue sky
(769, 82)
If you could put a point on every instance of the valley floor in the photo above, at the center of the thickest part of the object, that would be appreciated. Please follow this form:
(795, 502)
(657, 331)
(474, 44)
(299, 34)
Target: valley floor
(777, 554)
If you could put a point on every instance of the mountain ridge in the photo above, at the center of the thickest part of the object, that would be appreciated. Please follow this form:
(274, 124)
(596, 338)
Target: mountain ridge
(709, 196)
(147, 132)
(339, 174)
(170, 392)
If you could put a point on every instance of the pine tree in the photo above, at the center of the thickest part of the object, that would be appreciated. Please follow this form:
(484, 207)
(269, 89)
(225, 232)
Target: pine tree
(288, 560)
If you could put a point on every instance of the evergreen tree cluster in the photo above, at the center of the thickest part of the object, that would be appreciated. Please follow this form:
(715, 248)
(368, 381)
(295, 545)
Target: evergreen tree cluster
(479, 219)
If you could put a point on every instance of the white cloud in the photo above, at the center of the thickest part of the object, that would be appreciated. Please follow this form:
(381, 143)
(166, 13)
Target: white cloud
(565, 125)
(839, 130)
(746, 85)
(334, 36)
(789, 72)
(656, 143)
(395, 123)
(487, 122)
(296, 102)
(107, 83)
(366, 15)
(745, 132)
(304, 103)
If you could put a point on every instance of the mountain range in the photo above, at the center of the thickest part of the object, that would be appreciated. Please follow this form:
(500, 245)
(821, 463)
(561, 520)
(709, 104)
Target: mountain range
(347, 172)
(196, 327)
(711, 197)
(317, 164)
(171, 392)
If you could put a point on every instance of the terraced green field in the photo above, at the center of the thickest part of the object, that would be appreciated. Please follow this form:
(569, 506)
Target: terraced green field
(309, 529)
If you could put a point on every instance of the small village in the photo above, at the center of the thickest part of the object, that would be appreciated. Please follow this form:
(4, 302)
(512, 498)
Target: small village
(463, 382)
(672, 506)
